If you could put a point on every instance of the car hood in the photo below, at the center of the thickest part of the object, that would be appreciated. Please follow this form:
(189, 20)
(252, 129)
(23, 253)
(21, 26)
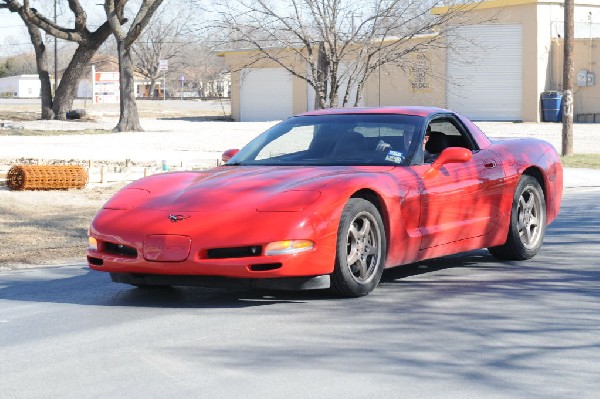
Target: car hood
(288, 188)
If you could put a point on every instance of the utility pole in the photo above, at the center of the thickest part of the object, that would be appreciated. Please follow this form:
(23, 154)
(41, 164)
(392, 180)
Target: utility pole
(568, 72)
(55, 54)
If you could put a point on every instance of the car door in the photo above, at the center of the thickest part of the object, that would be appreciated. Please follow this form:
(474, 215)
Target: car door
(462, 201)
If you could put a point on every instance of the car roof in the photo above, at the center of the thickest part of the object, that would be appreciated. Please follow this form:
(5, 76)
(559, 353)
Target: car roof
(400, 110)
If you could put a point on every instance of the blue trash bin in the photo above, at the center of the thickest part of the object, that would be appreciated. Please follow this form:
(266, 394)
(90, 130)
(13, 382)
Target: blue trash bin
(552, 106)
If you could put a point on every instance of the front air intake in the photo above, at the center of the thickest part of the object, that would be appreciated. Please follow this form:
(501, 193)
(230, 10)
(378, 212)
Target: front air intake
(119, 249)
(95, 261)
(234, 252)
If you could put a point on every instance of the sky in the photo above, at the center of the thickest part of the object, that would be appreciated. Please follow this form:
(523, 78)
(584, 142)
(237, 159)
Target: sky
(14, 38)
(13, 34)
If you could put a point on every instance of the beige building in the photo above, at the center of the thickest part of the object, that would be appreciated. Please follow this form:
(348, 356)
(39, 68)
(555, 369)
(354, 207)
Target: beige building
(490, 70)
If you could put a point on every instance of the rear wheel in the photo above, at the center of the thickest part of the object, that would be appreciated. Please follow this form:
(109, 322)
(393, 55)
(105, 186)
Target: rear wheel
(527, 222)
(361, 249)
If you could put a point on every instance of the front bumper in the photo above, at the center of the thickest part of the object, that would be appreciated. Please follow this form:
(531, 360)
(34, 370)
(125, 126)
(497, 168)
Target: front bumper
(127, 243)
(285, 284)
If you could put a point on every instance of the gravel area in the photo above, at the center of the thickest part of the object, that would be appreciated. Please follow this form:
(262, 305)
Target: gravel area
(50, 227)
(47, 227)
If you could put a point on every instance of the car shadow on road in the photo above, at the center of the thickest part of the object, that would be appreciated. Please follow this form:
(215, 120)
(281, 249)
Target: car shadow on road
(472, 259)
(82, 286)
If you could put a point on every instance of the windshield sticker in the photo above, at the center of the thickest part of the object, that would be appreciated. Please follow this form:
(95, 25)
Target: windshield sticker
(395, 157)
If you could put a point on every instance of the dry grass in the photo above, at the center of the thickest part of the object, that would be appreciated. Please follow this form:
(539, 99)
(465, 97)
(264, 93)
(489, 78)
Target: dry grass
(40, 227)
(591, 161)
(26, 132)
(18, 116)
(146, 109)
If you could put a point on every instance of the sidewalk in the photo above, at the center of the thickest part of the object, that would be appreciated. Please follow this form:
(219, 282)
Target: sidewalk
(581, 177)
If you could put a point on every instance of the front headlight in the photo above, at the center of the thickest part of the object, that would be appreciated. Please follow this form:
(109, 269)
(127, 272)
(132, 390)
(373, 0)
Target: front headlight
(288, 247)
(92, 244)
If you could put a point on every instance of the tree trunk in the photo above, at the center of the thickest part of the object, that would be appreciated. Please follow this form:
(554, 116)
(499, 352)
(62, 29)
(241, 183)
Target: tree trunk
(152, 87)
(41, 60)
(67, 88)
(321, 78)
(359, 90)
(129, 120)
(346, 97)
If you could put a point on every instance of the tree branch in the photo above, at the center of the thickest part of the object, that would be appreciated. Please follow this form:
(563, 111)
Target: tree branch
(80, 15)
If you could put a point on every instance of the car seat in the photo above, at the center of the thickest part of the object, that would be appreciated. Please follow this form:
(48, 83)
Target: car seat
(437, 143)
(349, 145)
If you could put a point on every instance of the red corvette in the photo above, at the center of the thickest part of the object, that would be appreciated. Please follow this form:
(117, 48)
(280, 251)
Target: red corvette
(330, 198)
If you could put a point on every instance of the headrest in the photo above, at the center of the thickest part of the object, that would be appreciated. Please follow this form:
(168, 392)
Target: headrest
(437, 142)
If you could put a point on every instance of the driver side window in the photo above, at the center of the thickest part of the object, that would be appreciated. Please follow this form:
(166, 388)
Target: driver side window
(441, 134)
(453, 132)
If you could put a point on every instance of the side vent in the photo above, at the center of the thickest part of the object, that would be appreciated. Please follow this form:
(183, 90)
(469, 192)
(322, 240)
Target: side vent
(265, 267)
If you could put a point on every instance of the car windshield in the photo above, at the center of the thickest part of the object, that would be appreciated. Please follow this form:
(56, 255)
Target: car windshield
(347, 139)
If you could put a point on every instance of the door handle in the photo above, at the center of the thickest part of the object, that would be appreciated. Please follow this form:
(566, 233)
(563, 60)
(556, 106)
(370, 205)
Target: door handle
(490, 163)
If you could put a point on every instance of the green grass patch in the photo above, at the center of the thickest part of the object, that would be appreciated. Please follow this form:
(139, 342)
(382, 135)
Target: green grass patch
(26, 132)
(591, 161)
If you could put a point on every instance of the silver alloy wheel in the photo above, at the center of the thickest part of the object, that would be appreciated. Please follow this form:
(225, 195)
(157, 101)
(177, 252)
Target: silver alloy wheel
(363, 247)
(529, 218)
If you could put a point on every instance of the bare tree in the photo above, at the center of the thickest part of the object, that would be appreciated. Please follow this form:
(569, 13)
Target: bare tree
(201, 67)
(41, 60)
(129, 119)
(165, 38)
(88, 43)
(341, 42)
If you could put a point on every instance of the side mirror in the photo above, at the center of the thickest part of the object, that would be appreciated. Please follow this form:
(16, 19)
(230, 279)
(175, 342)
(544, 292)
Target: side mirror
(449, 155)
(227, 155)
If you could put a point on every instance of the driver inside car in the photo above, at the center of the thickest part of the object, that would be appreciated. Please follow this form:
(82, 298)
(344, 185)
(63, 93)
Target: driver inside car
(433, 144)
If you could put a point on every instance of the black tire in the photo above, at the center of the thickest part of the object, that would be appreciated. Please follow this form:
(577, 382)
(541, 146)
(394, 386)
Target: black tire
(527, 222)
(361, 250)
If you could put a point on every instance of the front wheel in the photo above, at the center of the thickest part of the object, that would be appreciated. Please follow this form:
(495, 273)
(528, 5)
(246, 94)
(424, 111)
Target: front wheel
(361, 249)
(527, 222)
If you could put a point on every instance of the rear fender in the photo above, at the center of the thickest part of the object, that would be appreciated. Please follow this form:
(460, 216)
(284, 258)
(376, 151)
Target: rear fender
(551, 169)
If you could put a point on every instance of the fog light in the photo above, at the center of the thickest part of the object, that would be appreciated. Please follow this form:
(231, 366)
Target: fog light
(288, 247)
(92, 244)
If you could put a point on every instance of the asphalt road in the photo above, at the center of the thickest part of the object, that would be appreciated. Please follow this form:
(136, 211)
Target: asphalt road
(458, 327)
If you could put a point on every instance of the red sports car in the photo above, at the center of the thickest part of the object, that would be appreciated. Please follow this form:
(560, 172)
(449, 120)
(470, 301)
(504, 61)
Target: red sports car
(330, 198)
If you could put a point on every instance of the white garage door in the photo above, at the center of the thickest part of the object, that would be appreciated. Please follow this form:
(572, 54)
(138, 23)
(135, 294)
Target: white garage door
(265, 94)
(485, 72)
